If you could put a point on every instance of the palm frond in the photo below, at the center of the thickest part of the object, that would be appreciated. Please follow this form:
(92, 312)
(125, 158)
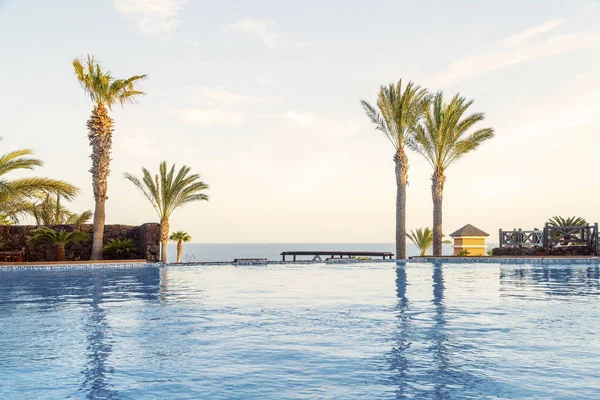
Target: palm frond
(102, 88)
(440, 138)
(398, 111)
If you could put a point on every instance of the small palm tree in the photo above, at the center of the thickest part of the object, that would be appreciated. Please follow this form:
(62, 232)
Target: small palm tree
(18, 195)
(442, 139)
(568, 221)
(50, 211)
(120, 246)
(422, 238)
(58, 239)
(397, 115)
(105, 91)
(180, 237)
(168, 191)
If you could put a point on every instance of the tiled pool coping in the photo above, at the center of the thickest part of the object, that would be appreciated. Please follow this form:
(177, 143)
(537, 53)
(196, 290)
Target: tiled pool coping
(506, 260)
(414, 260)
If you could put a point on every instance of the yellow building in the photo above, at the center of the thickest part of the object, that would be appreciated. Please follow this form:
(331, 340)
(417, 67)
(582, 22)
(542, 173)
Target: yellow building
(470, 239)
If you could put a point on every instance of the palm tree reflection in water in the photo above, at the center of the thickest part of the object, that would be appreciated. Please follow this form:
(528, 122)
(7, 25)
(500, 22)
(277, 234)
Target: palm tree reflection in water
(406, 362)
(97, 372)
(397, 357)
(438, 336)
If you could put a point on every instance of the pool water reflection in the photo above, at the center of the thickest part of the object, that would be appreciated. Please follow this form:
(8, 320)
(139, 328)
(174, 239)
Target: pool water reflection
(368, 331)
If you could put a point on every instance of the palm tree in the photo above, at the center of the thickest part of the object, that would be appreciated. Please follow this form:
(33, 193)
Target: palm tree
(398, 115)
(422, 238)
(18, 195)
(58, 239)
(442, 139)
(104, 91)
(167, 191)
(180, 237)
(568, 221)
(50, 211)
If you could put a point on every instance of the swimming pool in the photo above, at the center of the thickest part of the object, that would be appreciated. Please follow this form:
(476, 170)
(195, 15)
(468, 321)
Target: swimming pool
(368, 331)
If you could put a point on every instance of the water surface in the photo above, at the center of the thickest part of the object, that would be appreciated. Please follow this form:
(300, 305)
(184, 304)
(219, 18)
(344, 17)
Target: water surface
(368, 331)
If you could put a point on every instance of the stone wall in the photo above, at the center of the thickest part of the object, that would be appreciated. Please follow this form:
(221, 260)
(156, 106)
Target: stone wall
(146, 238)
(564, 251)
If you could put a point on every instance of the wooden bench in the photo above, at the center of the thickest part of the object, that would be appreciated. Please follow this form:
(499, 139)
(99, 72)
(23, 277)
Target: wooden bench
(339, 254)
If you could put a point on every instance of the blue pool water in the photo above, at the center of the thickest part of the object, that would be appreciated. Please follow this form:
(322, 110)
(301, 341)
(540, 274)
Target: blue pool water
(368, 331)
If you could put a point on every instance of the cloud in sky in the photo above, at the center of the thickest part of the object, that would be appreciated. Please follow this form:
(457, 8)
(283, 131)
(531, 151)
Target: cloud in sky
(524, 36)
(304, 119)
(263, 30)
(153, 17)
(208, 116)
(517, 49)
(216, 107)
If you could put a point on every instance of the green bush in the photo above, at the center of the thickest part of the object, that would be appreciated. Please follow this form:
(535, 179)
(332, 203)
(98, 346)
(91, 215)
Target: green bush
(120, 248)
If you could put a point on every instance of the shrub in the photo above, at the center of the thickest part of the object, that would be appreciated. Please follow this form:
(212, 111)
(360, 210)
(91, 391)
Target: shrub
(120, 247)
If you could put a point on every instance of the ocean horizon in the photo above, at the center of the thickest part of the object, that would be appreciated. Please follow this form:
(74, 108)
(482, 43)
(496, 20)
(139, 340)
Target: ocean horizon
(204, 252)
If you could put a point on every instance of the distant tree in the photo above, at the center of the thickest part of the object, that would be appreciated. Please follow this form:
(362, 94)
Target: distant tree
(168, 191)
(180, 237)
(105, 91)
(58, 239)
(397, 114)
(442, 139)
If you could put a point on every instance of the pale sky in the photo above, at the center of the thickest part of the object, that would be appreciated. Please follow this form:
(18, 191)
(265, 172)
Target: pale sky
(262, 99)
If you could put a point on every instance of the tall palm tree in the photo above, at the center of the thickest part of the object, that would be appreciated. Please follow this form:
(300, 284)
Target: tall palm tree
(397, 115)
(105, 91)
(422, 238)
(442, 139)
(58, 239)
(180, 237)
(168, 191)
(17, 195)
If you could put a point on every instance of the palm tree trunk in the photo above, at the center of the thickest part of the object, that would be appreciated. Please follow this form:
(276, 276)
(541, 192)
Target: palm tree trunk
(59, 254)
(98, 237)
(401, 169)
(100, 126)
(437, 193)
(179, 248)
(164, 239)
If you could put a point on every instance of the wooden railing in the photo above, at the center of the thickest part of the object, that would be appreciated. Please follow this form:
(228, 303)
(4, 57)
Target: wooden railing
(552, 236)
(572, 236)
(519, 238)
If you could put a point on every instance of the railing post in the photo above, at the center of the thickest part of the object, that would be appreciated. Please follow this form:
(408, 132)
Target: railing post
(595, 239)
(545, 237)
(500, 242)
(520, 238)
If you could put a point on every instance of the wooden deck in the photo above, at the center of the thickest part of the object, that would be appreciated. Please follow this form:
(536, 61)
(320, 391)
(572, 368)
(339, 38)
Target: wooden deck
(339, 254)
